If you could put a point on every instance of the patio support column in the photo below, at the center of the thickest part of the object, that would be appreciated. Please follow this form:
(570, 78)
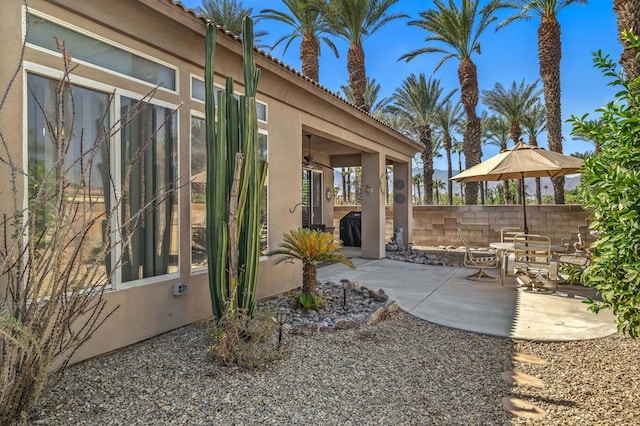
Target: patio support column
(402, 201)
(373, 214)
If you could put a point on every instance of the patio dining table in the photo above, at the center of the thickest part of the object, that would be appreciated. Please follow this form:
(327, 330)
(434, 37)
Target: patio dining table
(503, 247)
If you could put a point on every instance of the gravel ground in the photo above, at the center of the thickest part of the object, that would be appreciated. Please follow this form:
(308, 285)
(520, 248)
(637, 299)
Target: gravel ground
(400, 371)
(588, 382)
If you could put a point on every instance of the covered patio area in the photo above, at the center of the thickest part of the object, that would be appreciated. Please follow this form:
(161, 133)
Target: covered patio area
(326, 151)
(442, 295)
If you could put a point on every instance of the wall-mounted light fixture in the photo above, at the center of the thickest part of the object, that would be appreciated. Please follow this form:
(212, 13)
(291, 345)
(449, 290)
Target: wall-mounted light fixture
(368, 189)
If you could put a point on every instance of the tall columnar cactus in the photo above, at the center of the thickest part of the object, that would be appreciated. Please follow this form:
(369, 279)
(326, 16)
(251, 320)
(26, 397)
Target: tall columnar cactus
(235, 180)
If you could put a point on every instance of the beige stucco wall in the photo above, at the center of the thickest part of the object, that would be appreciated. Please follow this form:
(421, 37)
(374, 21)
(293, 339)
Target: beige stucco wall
(438, 225)
(295, 106)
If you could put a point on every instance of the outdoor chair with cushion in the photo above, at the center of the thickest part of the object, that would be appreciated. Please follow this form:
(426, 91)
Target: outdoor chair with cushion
(479, 261)
(532, 256)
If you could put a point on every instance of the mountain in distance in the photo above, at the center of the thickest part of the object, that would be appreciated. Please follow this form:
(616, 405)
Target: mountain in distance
(571, 182)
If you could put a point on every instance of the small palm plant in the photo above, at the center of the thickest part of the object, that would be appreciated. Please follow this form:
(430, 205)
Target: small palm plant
(310, 247)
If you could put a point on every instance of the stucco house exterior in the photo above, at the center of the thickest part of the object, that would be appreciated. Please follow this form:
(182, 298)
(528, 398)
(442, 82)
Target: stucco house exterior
(125, 48)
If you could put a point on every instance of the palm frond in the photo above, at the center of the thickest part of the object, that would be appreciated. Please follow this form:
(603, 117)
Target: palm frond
(309, 247)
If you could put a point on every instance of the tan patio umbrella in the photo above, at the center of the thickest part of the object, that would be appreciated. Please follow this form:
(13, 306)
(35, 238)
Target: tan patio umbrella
(519, 162)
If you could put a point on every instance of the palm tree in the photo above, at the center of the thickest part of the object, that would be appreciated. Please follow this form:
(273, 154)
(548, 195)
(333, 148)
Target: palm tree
(496, 131)
(372, 104)
(417, 182)
(456, 29)
(345, 174)
(417, 100)
(310, 247)
(628, 12)
(592, 124)
(354, 21)
(447, 121)
(393, 120)
(458, 148)
(438, 185)
(546, 188)
(582, 155)
(228, 14)
(534, 123)
(436, 152)
(357, 185)
(513, 104)
(549, 54)
(306, 18)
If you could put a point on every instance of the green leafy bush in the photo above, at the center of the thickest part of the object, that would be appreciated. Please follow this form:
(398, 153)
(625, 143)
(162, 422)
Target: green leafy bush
(610, 189)
(308, 301)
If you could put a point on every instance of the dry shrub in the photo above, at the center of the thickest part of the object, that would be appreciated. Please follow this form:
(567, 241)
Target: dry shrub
(241, 341)
(53, 269)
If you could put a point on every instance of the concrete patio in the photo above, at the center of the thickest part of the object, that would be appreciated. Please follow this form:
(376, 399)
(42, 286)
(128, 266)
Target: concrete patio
(442, 295)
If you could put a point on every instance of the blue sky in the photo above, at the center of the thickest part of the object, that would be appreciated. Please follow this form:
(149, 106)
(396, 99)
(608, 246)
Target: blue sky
(507, 55)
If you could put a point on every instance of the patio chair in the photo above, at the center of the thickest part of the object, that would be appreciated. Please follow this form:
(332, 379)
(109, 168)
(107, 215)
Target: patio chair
(509, 232)
(507, 235)
(574, 261)
(479, 261)
(532, 255)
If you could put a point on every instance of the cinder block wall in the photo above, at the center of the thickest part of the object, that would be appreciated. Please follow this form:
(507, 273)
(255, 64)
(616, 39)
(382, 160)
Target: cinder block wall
(438, 225)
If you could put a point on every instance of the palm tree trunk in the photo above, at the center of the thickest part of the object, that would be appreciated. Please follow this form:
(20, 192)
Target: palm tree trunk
(550, 53)
(449, 172)
(468, 78)
(348, 184)
(521, 194)
(516, 135)
(309, 53)
(357, 74)
(427, 164)
(505, 192)
(460, 183)
(515, 132)
(357, 185)
(309, 273)
(345, 198)
(628, 12)
(533, 141)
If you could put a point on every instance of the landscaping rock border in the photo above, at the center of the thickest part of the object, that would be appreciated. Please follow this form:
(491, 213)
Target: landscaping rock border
(363, 306)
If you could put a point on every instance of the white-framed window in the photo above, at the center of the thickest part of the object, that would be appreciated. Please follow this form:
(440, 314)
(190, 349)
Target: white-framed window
(198, 179)
(197, 94)
(91, 120)
(263, 154)
(95, 51)
(150, 137)
(149, 153)
(197, 90)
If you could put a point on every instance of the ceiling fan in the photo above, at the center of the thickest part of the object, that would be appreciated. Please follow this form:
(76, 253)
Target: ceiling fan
(309, 162)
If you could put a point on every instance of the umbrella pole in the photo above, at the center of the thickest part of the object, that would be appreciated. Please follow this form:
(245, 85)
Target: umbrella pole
(524, 204)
